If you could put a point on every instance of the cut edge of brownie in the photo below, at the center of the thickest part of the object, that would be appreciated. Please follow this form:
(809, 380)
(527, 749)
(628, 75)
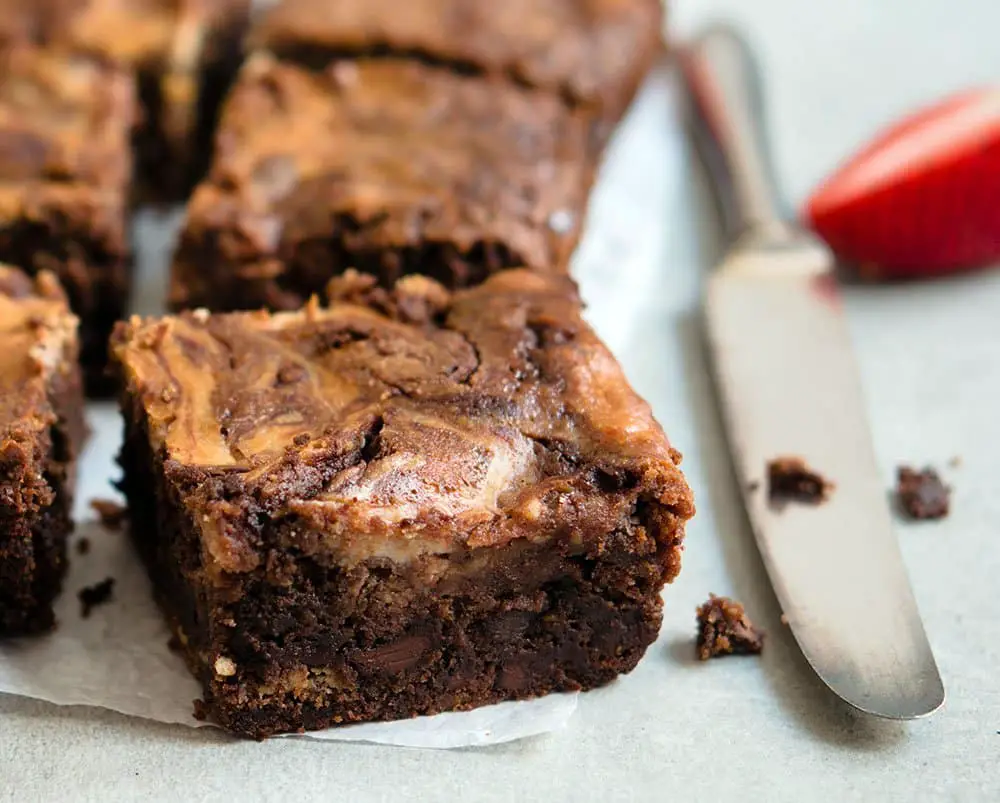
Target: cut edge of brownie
(170, 164)
(284, 647)
(35, 516)
(252, 280)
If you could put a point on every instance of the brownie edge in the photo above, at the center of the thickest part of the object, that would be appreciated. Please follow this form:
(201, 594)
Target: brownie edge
(410, 501)
(41, 427)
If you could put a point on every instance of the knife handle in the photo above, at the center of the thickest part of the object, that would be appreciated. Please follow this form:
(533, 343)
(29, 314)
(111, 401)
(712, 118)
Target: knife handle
(726, 117)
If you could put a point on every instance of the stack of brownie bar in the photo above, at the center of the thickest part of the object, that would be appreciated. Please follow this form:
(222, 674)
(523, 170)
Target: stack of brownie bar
(82, 84)
(434, 489)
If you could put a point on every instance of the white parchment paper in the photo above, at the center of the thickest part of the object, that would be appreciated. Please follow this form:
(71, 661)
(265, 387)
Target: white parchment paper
(118, 658)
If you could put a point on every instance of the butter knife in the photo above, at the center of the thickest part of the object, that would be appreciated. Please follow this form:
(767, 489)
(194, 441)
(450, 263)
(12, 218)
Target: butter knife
(789, 386)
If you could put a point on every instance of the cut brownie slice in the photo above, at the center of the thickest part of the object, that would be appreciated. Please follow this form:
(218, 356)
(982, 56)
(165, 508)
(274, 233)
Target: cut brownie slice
(41, 426)
(593, 53)
(183, 54)
(389, 166)
(65, 166)
(408, 502)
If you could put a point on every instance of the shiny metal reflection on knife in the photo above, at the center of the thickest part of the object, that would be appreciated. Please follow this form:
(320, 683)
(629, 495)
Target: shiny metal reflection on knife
(788, 385)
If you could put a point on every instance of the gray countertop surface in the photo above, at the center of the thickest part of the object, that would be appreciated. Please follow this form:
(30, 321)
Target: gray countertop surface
(675, 729)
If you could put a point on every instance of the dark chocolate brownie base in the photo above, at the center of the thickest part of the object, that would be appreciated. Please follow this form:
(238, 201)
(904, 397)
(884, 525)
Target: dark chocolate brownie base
(32, 566)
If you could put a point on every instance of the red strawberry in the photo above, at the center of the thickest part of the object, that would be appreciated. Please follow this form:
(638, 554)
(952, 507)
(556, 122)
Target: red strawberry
(924, 198)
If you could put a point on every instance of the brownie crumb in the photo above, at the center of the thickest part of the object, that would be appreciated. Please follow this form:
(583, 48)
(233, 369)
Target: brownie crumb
(955, 462)
(111, 514)
(200, 710)
(725, 629)
(174, 643)
(791, 480)
(922, 494)
(753, 486)
(97, 594)
(83, 546)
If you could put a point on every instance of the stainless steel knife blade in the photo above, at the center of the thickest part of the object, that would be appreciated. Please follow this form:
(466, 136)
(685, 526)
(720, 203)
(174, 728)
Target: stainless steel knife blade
(789, 386)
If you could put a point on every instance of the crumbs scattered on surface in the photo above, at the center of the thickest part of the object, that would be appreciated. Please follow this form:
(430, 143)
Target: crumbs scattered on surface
(174, 643)
(791, 480)
(200, 710)
(753, 485)
(725, 629)
(97, 594)
(922, 494)
(83, 546)
(955, 462)
(111, 514)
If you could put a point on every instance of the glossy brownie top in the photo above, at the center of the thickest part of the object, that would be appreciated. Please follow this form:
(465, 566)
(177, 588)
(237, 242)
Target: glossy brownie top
(589, 51)
(406, 154)
(38, 337)
(62, 120)
(396, 424)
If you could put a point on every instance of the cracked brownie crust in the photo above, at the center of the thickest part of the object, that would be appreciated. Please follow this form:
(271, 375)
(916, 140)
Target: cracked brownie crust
(406, 502)
(41, 426)
(387, 165)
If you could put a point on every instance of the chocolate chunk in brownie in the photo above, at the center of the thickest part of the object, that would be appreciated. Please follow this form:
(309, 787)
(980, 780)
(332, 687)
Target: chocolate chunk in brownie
(402, 168)
(41, 427)
(97, 594)
(65, 166)
(591, 53)
(182, 57)
(410, 502)
(791, 480)
(922, 494)
(725, 629)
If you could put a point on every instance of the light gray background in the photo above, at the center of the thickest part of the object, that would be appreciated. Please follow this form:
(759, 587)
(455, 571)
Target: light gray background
(674, 729)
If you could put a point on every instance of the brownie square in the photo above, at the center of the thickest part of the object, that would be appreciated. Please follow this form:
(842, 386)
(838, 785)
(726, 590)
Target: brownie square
(65, 166)
(592, 53)
(385, 165)
(41, 427)
(183, 56)
(406, 502)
